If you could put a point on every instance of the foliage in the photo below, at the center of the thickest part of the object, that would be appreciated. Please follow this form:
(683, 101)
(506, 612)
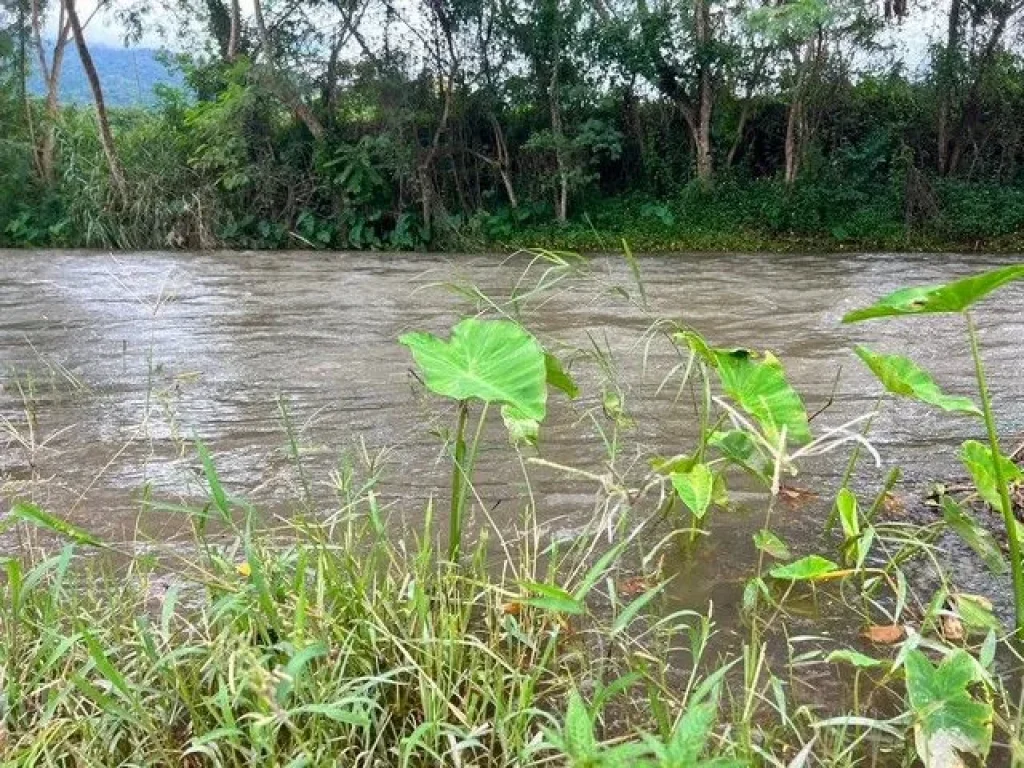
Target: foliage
(991, 471)
(737, 127)
(338, 632)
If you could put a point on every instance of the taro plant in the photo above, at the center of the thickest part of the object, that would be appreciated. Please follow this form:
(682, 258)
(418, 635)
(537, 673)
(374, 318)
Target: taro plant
(991, 471)
(496, 362)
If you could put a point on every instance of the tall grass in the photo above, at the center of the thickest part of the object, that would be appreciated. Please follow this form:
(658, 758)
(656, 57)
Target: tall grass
(336, 637)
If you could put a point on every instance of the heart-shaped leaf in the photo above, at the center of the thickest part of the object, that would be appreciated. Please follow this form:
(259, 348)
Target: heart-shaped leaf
(978, 460)
(695, 488)
(758, 385)
(769, 543)
(902, 376)
(491, 360)
(951, 297)
(947, 719)
(805, 569)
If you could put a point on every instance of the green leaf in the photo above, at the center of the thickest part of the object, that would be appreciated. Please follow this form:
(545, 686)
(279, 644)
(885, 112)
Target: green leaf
(695, 488)
(697, 344)
(553, 599)
(768, 542)
(491, 360)
(976, 612)
(30, 513)
(350, 712)
(976, 537)
(947, 719)
(624, 619)
(849, 517)
(690, 735)
(951, 297)
(805, 569)
(579, 729)
(220, 498)
(740, 448)
(558, 377)
(903, 377)
(978, 460)
(520, 429)
(854, 658)
(758, 385)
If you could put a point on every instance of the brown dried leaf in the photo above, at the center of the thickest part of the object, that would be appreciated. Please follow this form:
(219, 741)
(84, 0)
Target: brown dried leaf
(633, 586)
(795, 496)
(885, 634)
(893, 504)
(952, 628)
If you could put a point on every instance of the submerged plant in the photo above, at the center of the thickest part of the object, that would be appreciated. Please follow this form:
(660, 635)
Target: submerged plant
(990, 469)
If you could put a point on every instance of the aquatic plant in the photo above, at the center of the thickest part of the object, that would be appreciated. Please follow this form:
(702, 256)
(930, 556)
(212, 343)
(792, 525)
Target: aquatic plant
(991, 470)
(495, 362)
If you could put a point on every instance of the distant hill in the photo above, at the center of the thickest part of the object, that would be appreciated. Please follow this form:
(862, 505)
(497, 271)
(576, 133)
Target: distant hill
(128, 76)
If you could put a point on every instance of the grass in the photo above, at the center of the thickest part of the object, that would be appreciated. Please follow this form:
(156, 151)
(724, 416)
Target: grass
(336, 636)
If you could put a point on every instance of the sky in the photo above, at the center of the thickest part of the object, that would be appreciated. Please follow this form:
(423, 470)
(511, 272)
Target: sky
(910, 37)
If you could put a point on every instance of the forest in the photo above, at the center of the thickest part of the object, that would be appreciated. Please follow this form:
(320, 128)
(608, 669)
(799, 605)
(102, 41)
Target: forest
(469, 124)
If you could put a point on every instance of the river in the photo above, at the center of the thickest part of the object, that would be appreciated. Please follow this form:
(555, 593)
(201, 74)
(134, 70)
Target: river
(121, 359)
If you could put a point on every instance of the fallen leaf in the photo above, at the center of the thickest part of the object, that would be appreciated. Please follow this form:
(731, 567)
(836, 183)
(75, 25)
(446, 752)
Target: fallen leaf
(633, 586)
(952, 628)
(512, 608)
(885, 634)
(795, 496)
(893, 504)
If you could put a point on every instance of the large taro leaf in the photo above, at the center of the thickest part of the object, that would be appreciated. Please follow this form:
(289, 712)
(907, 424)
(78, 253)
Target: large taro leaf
(948, 720)
(951, 297)
(491, 360)
(902, 376)
(978, 460)
(758, 385)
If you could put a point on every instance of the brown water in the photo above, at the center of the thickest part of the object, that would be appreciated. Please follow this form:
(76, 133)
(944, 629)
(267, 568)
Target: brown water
(130, 355)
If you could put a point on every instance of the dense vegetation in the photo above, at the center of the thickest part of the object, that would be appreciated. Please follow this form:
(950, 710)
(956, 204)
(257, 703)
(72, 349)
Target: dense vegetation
(335, 634)
(452, 123)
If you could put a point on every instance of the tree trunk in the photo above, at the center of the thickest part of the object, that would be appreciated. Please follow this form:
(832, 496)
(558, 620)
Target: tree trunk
(946, 76)
(280, 86)
(51, 73)
(741, 129)
(106, 137)
(424, 170)
(705, 100)
(558, 131)
(503, 164)
(235, 31)
(794, 139)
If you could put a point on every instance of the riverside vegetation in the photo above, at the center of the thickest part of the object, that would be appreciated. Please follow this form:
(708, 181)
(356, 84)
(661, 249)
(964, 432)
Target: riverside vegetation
(330, 637)
(351, 124)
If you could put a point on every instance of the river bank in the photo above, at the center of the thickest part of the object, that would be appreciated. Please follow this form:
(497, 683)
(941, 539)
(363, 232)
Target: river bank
(228, 487)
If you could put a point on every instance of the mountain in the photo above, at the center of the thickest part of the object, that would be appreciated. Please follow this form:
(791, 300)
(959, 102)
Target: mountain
(128, 76)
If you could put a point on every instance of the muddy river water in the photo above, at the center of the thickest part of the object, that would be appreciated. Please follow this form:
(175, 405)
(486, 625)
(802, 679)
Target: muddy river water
(112, 363)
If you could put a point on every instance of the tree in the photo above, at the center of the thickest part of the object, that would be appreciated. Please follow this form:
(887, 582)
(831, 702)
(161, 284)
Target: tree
(106, 137)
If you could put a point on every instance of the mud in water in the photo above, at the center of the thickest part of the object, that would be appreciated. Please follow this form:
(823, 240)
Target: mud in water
(112, 364)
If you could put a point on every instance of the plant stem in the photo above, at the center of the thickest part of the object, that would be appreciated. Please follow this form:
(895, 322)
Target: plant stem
(1016, 565)
(458, 484)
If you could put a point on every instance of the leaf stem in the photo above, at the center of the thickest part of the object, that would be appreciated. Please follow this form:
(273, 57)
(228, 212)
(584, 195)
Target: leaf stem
(458, 484)
(1016, 564)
